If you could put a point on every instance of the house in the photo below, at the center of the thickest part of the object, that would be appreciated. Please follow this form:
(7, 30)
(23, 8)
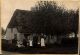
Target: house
(20, 28)
(14, 28)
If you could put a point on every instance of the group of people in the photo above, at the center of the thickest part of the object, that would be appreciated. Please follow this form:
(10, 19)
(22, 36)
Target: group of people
(39, 40)
(31, 40)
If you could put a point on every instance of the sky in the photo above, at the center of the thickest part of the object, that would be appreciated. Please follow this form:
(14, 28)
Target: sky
(9, 6)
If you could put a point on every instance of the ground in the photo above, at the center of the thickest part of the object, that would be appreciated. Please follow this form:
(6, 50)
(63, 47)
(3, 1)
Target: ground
(45, 50)
(66, 47)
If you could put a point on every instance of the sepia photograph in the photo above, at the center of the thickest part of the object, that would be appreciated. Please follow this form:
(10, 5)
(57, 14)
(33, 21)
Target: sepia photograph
(39, 27)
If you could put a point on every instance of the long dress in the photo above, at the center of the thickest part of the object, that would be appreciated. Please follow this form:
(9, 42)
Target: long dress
(30, 42)
(42, 42)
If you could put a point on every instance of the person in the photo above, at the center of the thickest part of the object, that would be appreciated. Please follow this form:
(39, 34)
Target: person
(42, 42)
(25, 42)
(35, 41)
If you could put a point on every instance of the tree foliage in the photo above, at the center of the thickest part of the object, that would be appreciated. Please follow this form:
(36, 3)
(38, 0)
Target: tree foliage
(51, 19)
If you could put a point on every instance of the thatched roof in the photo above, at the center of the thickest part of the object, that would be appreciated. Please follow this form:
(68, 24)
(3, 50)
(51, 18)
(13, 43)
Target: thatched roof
(16, 20)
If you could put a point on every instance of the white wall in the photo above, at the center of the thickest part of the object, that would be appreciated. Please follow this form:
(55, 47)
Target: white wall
(10, 34)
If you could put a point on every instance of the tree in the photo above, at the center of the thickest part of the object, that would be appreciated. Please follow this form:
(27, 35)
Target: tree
(52, 19)
(2, 32)
(48, 17)
(74, 20)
